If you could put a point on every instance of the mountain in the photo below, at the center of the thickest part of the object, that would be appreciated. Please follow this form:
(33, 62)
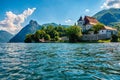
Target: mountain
(32, 27)
(55, 25)
(5, 36)
(109, 17)
(52, 24)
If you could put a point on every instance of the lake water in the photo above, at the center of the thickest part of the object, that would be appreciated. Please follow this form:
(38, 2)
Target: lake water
(60, 61)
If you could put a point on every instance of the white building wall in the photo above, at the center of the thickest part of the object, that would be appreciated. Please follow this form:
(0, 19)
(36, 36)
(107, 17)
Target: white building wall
(80, 23)
(102, 32)
(88, 27)
(106, 32)
(84, 27)
(115, 32)
(109, 33)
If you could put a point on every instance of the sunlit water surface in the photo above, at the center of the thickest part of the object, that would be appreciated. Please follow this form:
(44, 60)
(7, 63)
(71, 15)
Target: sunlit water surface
(60, 61)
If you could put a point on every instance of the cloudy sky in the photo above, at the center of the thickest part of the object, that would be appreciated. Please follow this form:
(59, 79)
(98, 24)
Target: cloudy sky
(15, 14)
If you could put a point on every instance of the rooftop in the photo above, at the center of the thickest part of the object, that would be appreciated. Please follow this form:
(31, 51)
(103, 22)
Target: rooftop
(90, 20)
(109, 28)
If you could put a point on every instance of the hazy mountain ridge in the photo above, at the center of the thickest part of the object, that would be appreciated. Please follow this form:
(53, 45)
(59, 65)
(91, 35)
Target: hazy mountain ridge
(5, 36)
(55, 25)
(32, 27)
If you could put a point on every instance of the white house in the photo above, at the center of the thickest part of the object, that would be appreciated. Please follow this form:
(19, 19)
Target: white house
(109, 31)
(88, 22)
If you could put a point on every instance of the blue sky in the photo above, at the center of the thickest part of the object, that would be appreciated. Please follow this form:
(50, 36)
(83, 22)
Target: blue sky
(47, 11)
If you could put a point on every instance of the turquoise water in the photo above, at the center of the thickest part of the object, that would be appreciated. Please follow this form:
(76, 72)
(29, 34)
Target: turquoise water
(60, 61)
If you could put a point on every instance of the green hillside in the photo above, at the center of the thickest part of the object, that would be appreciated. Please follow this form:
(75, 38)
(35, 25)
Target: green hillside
(109, 17)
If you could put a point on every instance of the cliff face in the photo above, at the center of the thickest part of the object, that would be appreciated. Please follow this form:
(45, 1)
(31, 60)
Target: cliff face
(32, 27)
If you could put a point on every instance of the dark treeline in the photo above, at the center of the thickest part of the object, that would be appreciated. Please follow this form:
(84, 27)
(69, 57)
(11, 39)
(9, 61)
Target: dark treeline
(52, 33)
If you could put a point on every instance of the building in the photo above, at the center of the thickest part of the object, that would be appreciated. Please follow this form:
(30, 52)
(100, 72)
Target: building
(87, 23)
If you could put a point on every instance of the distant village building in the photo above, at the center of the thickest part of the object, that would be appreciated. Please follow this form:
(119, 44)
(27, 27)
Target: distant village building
(87, 23)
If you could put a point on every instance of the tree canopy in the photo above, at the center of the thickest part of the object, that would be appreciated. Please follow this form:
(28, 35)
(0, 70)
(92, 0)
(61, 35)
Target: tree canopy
(74, 33)
(97, 27)
(52, 33)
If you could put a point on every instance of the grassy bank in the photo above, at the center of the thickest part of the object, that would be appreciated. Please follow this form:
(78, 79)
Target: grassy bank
(104, 41)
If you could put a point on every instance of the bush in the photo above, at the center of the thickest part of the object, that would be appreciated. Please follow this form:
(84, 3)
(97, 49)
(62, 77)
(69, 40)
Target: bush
(56, 38)
(74, 33)
(114, 38)
(47, 37)
(28, 38)
(97, 27)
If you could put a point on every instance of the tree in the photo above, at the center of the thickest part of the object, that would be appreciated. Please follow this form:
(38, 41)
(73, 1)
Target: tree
(43, 28)
(74, 33)
(47, 37)
(61, 30)
(56, 38)
(118, 34)
(39, 35)
(97, 27)
(49, 29)
(28, 38)
(54, 33)
(117, 27)
(114, 38)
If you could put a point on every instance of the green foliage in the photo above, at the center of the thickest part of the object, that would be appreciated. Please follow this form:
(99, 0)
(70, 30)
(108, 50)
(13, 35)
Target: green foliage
(108, 16)
(61, 30)
(114, 38)
(52, 33)
(39, 35)
(49, 29)
(97, 27)
(74, 33)
(117, 27)
(47, 37)
(43, 28)
(56, 38)
(28, 38)
(118, 34)
(55, 31)
(48, 33)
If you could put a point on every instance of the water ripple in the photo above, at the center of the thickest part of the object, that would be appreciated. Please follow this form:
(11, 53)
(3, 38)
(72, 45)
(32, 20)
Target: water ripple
(59, 61)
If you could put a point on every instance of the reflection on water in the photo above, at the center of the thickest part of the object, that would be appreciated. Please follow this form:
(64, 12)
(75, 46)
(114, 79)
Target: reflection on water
(60, 61)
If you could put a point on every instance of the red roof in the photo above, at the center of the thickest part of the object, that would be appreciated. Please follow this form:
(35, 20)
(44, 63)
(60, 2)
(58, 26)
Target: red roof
(90, 20)
(93, 21)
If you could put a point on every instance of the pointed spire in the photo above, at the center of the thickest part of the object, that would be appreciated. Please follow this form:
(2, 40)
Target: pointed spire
(80, 19)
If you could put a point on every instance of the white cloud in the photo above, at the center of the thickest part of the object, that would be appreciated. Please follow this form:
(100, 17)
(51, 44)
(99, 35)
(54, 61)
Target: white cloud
(68, 21)
(87, 10)
(111, 4)
(12, 22)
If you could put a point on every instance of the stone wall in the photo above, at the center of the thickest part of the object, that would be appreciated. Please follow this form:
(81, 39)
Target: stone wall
(91, 37)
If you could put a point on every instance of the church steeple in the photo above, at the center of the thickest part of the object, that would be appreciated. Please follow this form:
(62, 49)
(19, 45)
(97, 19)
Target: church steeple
(80, 19)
